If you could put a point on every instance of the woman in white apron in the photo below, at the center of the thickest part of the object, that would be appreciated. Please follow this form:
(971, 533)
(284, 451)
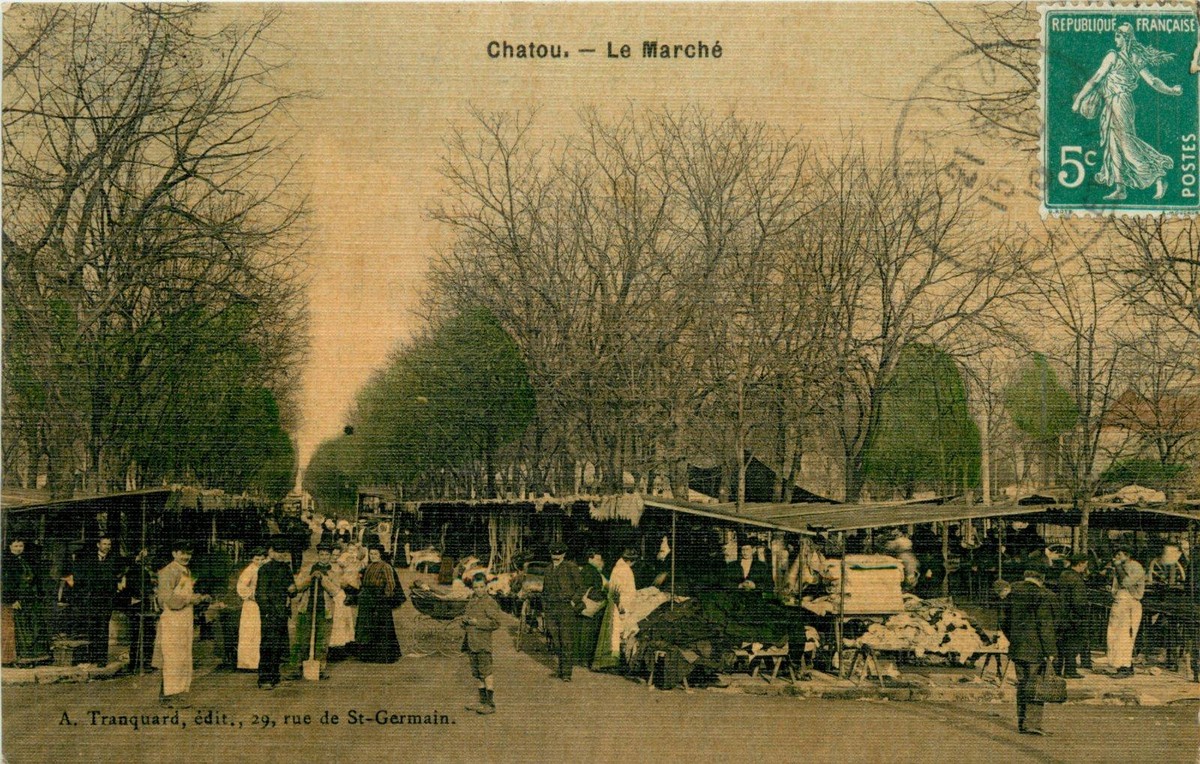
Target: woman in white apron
(250, 625)
(173, 642)
(621, 590)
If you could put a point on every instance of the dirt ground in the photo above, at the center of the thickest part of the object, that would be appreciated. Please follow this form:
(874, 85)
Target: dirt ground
(594, 718)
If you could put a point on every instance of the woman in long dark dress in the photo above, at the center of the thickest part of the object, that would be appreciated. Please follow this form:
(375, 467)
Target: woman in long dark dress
(375, 631)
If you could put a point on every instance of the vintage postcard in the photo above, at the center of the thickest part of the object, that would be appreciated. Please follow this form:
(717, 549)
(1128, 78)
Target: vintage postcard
(532, 381)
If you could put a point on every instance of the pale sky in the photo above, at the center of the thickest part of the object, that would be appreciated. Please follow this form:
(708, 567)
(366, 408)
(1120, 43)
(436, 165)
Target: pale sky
(393, 78)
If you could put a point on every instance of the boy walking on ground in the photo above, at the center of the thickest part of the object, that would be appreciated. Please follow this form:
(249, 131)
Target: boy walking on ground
(481, 618)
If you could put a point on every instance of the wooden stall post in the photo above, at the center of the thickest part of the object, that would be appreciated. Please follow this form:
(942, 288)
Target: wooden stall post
(141, 615)
(1000, 550)
(839, 626)
(946, 559)
(674, 551)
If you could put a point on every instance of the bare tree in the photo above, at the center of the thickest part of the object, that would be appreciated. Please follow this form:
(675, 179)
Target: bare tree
(1160, 400)
(613, 258)
(907, 265)
(150, 225)
(994, 81)
(1159, 269)
(1081, 317)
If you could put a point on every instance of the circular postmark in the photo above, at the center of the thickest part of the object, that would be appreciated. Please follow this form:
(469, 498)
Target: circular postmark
(977, 111)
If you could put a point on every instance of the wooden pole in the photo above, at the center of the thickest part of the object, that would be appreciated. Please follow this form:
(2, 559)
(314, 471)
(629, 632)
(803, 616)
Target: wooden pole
(141, 631)
(840, 626)
(674, 550)
(1000, 550)
(945, 559)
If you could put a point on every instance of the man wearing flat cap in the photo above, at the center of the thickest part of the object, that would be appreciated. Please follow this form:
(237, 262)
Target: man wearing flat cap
(562, 600)
(315, 590)
(480, 619)
(1029, 623)
(1073, 646)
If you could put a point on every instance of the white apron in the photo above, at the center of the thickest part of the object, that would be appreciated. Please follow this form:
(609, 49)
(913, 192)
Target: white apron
(173, 643)
(250, 625)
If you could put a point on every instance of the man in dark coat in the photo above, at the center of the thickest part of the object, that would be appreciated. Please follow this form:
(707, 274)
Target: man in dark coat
(750, 573)
(562, 600)
(95, 579)
(22, 597)
(1072, 625)
(1028, 622)
(275, 586)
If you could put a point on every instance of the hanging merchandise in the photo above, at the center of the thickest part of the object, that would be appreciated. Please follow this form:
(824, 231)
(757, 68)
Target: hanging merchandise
(729, 546)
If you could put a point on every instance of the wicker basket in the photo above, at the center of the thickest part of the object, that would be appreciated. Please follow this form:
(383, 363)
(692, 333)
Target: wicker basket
(435, 606)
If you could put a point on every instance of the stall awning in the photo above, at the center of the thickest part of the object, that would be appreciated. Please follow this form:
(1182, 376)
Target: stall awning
(726, 512)
(1162, 519)
(19, 504)
(810, 519)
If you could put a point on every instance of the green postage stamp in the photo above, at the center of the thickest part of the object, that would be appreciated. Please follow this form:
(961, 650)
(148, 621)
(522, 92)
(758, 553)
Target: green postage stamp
(1120, 110)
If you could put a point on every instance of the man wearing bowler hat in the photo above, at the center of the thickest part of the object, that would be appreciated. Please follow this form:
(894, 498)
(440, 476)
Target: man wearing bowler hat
(562, 600)
(1028, 622)
(1073, 623)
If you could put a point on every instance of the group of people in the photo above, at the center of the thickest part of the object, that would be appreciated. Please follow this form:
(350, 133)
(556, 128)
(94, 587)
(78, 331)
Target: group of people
(341, 602)
(338, 602)
(95, 581)
(584, 610)
(335, 602)
(1045, 625)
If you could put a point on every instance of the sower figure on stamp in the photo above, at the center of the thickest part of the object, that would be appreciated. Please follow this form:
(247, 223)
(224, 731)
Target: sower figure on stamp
(562, 598)
(1127, 160)
(272, 590)
(1028, 622)
(480, 619)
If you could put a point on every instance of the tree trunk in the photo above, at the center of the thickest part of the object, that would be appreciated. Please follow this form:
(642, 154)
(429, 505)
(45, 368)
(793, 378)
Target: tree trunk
(790, 468)
(985, 458)
(854, 479)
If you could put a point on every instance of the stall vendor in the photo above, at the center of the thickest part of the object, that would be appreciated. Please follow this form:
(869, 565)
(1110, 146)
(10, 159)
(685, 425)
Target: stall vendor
(749, 572)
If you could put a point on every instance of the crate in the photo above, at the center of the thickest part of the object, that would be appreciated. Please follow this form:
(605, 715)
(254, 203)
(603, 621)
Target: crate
(65, 651)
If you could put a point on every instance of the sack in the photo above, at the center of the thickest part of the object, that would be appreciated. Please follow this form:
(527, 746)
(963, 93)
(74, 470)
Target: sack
(1048, 688)
(591, 606)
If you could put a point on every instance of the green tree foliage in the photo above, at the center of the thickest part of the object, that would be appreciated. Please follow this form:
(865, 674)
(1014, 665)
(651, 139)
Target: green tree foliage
(154, 309)
(926, 437)
(445, 405)
(1039, 406)
(1146, 472)
(333, 475)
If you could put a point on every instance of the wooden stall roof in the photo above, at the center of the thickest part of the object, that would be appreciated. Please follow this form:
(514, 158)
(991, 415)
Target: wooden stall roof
(809, 518)
(14, 502)
(728, 513)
